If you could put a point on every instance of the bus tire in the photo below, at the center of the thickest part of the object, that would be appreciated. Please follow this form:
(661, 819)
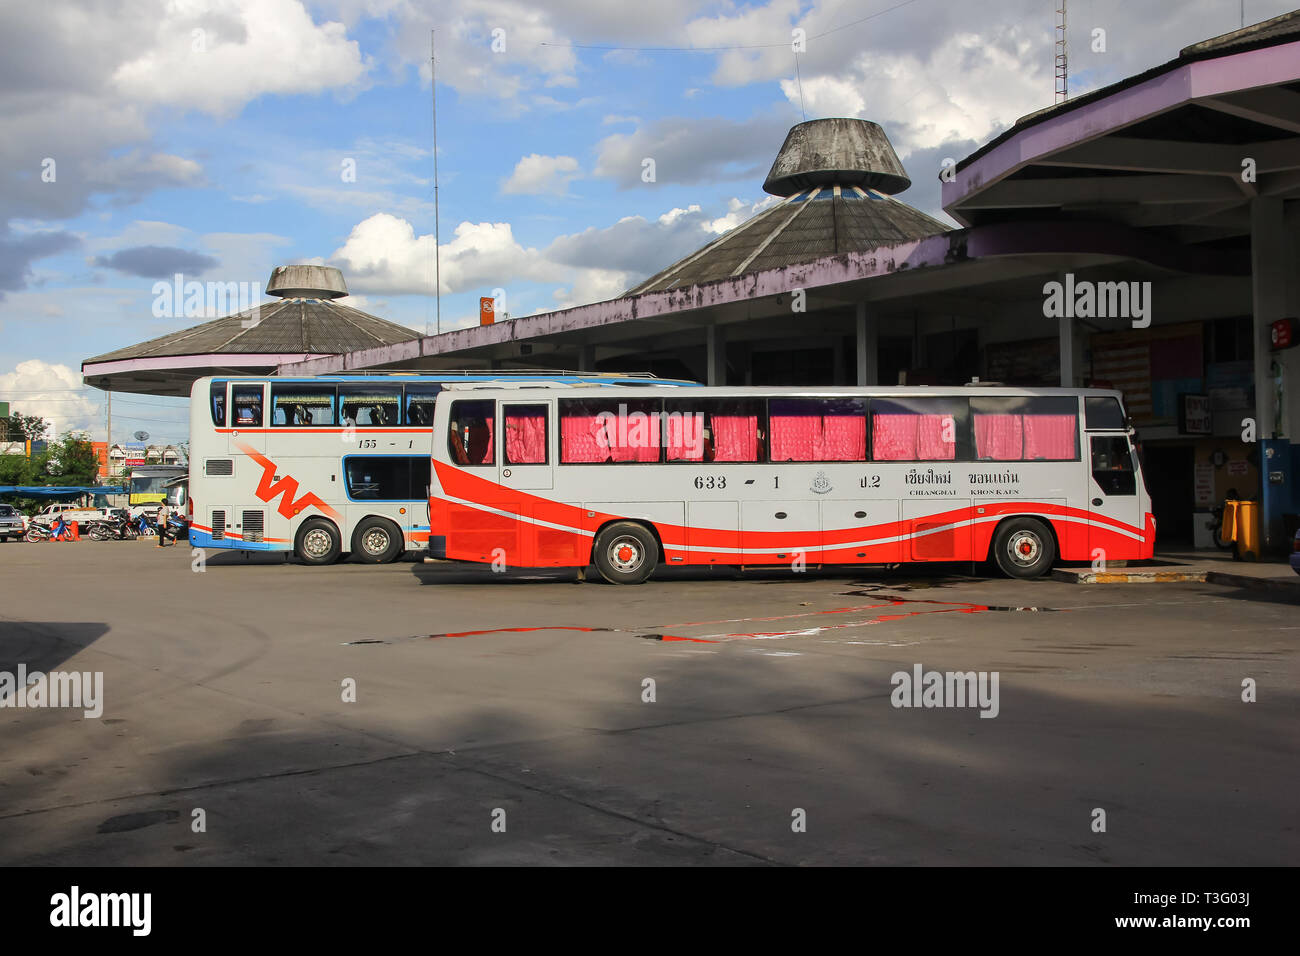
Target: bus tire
(625, 553)
(1024, 548)
(318, 542)
(377, 541)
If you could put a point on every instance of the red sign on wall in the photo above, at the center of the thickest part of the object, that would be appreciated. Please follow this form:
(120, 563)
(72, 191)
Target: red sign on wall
(1281, 333)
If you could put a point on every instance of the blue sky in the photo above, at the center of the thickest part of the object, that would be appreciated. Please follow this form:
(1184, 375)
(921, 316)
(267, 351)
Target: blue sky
(211, 138)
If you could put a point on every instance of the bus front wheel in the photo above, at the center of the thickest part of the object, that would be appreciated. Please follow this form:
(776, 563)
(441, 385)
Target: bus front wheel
(626, 553)
(318, 542)
(377, 541)
(1024, 548)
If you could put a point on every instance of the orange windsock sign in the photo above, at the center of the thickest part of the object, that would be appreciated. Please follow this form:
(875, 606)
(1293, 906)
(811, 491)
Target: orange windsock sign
(486, 315)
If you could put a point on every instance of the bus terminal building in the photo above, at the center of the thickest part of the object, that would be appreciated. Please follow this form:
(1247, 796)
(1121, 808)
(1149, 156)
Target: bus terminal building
(1144, 237)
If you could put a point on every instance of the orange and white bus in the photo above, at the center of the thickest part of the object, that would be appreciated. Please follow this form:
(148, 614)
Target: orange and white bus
(329, 465)
(631, 479)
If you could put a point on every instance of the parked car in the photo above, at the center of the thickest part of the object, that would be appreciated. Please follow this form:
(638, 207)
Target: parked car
(70, 512)
(12, 524)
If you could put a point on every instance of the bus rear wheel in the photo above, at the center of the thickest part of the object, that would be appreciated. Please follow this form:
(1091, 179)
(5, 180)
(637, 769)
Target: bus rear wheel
(377, 541)
(625, 553)
(1024, 548)
(318, 542)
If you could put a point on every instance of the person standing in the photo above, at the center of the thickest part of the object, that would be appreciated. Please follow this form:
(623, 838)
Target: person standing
(162, 523)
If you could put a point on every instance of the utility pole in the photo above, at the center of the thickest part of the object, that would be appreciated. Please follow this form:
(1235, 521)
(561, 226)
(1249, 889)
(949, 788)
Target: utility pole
(437, 252)
(1062, 57)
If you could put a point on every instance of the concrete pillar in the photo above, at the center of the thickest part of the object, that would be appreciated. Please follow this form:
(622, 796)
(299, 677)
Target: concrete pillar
(587, 358)
(1268, 252)
(1067, 351)
(867, 362)
(1268, 261)
(715, 363)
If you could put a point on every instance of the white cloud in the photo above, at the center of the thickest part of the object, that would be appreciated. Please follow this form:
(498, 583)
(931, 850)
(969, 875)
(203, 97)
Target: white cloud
(220, 57)
(54, 392)
(536, 175)
(384, 255)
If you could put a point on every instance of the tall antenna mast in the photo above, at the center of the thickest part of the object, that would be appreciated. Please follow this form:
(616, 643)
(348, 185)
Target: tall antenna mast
(1062, 57)
(437, 252)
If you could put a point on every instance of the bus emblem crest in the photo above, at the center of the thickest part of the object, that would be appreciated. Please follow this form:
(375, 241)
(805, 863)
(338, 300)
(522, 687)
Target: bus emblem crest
(821, 484)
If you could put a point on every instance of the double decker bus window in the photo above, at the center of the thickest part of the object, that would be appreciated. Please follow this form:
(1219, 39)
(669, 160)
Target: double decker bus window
(469, 434)
(919, 429)
(301, 405)
(370, 406)
(1038, 428)
(218, 393)
(419, 403)
(246, 402)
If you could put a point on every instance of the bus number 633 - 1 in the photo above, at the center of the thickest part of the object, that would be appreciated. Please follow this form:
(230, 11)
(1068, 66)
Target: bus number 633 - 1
(710, 482)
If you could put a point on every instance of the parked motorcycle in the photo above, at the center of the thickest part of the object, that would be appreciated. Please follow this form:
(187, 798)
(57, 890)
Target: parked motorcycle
(114, 529)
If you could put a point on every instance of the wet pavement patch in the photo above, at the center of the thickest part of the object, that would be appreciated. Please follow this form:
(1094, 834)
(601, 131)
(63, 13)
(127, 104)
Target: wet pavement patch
(137, 821)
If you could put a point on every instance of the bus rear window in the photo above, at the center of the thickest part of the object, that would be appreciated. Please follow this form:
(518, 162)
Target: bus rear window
(818, 429)
(469, 433)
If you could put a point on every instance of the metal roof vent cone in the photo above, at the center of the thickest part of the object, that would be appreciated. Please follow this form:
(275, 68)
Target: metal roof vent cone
(306, 282)
(836, 152)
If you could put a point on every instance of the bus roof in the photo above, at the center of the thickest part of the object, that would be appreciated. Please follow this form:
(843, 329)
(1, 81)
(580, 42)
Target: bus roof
(843, 391)
(443, 375)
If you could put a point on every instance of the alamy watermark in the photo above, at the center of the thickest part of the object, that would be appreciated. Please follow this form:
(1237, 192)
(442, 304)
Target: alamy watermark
(75, 689)
(180, 299)
(1084, 299)
(922, 688)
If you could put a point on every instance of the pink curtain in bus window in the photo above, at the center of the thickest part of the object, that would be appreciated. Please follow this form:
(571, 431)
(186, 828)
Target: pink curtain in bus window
(795, 437)
(735, 437)
(578, 441)
(844, 438)
(1050, 436)
(480, 442)
(931, 432)
(998, 437)
(634, 437)
(686, 436)
(893, 437)
(526, 436)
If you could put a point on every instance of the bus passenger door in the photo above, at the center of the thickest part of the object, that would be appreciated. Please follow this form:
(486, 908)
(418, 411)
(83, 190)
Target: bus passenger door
(527, 458)
(1114, 505)
(247, 421)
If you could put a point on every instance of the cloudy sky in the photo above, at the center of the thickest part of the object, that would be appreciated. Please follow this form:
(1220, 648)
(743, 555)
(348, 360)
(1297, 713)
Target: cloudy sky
(219, 138)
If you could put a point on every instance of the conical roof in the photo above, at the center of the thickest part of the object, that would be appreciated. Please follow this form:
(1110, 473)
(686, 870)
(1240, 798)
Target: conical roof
(836, 152)
(835, 175)
(252, 342)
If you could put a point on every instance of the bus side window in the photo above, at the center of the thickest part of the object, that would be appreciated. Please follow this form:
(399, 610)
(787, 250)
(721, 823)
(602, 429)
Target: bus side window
(246, 402)
(1112, 465)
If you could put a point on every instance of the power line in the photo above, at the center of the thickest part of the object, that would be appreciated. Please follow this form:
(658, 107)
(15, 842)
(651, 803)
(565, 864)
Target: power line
(726, 49)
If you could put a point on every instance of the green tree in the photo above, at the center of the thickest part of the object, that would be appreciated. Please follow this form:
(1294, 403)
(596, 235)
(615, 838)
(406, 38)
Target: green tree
(30, 427)
(69, 460)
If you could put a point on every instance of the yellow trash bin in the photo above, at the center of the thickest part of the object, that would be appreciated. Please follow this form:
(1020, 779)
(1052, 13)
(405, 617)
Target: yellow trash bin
(1246, 527)
(1228, 528)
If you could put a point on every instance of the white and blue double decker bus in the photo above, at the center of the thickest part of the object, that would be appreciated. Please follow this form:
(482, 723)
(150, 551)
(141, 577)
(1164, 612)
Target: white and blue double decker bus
(328, 465)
